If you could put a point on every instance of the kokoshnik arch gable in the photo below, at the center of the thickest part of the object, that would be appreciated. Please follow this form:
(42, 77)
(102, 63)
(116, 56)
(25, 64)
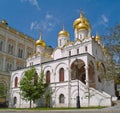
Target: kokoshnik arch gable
(73, 69)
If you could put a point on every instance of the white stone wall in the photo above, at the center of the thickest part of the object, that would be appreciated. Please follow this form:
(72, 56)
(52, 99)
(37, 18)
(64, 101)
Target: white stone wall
(96, 97)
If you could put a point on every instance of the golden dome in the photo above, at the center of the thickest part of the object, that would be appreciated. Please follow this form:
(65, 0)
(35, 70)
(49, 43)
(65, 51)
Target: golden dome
(63, 33)
(81, 23)
(40, 42)
(97, 37)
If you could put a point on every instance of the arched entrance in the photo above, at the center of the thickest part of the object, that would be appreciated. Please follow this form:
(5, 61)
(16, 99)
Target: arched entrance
(91, 73)
(102, 72)
(78, 70)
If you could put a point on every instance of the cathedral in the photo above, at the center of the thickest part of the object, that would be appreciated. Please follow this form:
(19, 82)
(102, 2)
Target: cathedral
(77, 71)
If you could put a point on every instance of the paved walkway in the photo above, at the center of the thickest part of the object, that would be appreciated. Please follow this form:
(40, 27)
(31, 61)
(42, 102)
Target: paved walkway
(113, 109)
(106, 110)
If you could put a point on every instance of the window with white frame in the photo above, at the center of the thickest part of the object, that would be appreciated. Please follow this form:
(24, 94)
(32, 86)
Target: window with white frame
(61, 99)
(20, 53)
(9, 66)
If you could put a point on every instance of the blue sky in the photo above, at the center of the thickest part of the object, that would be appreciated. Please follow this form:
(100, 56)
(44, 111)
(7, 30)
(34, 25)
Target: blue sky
(29, 16)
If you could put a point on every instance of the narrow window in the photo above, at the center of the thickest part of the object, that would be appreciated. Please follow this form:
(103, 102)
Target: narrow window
(69, 53)
(19, 52)
(48, 77)
(61, 75)
(7, 67)
(21, 56)
(15, 100)
(77, 51)
(86, 49)
(61, 98)
(9, 48)
(16, 82)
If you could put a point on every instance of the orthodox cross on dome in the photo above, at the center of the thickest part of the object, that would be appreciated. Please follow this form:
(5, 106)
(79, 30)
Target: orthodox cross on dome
(40, 34)
(81, 13)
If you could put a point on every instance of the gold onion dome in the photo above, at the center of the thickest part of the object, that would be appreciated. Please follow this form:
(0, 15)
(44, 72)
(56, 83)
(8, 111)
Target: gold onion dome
(97, 37)
(81, 23)
(40, 42)
(63, 33)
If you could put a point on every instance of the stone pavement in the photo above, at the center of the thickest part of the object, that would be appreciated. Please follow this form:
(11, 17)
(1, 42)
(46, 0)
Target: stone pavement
(106, 110)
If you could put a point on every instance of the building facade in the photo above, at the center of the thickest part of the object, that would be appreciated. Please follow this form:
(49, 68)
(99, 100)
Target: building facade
(76, 70)
(15, 47)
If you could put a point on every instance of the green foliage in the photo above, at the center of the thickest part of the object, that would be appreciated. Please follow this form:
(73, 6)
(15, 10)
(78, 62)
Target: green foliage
(3, 91)
(32, 86)
(112, 44)
(112, 41)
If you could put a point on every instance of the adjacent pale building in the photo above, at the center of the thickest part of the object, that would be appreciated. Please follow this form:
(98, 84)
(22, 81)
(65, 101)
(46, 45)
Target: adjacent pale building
(76, 70)
(15, 47)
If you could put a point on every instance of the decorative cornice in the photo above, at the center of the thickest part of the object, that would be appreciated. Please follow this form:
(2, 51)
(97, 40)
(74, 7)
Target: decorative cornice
(16, 32)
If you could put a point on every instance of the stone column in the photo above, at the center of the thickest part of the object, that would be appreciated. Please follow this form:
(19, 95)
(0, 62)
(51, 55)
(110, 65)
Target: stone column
(6, 44)
(87, 75)
(69, 84)
(16, 48)
(54, 89)
(25, 52)
(15, 66)
(4, 63)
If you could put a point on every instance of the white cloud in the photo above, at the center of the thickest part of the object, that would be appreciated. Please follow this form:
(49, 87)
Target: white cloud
(103, 21)
(49, 16)
(48, 23)
(35, 25)
(33, 2)
(104, 18)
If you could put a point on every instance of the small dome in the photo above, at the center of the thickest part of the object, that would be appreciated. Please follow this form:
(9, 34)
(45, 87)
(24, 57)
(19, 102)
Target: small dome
(63, 33)
(81, 23)
(97, 37)
(40, 42)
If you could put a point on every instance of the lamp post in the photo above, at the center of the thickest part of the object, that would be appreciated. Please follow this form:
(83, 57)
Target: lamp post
(78, 97)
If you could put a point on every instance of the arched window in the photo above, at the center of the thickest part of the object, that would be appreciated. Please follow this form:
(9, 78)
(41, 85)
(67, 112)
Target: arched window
(14, 100)
(48, 77)
(16, 82)
(61, 75)
(61, 98)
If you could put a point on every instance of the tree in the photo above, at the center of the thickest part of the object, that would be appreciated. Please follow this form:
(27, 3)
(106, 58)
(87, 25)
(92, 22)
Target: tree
(32, 86)
(112, 44)
(3, 92)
